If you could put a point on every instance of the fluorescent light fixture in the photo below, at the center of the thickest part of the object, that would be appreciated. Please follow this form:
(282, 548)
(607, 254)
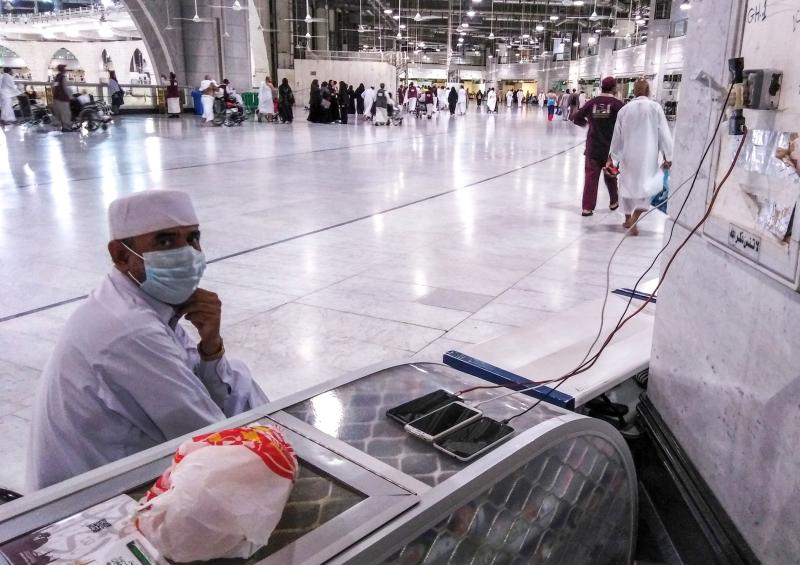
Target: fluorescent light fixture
(686, 5)
(594, 17)
(387, 11)
(525, 35)
(578, 3)
(539, 27)
(553, 18)
(465, 24)
(471, 13)
(576, 43)
(598, 30)
(462, 34)
(418, 17)
(397, 17)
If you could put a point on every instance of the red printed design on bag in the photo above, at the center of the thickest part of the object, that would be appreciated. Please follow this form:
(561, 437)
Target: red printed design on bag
(270, 446)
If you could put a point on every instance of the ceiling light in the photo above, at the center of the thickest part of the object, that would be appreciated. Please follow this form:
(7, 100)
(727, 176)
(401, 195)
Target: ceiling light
(491, 56)
(576, 43)
(418, 17)
(598, 30)
(402, 26)
(307, 19)
(471, 13)
(578, 3)
(525, 35)
(387, 11)
(236, 6)
(396, 16)
(465, 24)
(594, 17)
(308, 35)
(461, 40)
(491, 35)
(399, 35)
(685, 5)
(462, 34)
(592, 40)
(553, 18)
(196, 18)
(539, 27)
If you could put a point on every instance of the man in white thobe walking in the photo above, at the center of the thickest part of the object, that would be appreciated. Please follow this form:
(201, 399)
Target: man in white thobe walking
(640, 135)
(124, 375)
(8, 93)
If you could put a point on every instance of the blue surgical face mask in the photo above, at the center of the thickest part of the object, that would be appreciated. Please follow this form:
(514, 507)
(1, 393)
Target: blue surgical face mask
(171, 276)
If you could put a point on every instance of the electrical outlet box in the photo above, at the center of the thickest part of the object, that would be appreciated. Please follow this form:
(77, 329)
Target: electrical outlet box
(762, 89)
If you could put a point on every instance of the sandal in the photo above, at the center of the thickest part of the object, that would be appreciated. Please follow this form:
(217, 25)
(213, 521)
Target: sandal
(586, 213)
(614, 206)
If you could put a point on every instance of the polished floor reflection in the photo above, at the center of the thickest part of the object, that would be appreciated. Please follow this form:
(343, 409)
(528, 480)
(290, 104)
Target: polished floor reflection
(333, 247)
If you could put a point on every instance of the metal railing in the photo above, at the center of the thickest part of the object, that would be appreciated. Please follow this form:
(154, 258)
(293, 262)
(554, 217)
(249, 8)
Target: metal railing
(52, 15)
(137, 96)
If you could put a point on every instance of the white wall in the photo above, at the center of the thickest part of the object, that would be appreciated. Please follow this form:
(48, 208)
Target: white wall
(352, 72)
(38, 55)
(724, 368)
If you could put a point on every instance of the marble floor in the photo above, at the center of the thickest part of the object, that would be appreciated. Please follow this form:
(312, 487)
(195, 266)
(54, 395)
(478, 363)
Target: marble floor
(332, 247)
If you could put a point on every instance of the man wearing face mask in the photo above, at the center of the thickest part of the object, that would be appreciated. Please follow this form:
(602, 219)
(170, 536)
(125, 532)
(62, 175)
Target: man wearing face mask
(124, 375)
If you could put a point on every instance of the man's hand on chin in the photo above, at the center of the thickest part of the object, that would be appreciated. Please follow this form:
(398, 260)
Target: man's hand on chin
(204, 311)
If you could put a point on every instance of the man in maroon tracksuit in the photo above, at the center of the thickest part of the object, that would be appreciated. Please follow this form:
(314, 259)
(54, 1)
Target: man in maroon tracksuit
(601, 114)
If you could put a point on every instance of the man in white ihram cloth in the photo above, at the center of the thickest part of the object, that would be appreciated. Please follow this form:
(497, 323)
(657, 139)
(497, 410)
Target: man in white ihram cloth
(124, 375)
(640, 134)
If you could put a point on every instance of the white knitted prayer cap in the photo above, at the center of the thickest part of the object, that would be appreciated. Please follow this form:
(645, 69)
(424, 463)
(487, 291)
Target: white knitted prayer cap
(150, 211)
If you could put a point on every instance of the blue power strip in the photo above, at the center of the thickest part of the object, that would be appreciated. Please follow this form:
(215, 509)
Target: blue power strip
(496, 375)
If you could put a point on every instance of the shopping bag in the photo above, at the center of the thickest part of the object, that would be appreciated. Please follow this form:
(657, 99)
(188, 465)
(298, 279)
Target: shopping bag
(221, 497)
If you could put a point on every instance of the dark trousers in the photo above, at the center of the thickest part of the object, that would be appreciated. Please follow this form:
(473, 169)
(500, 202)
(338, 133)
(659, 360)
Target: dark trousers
(592, 170)
(550, 111)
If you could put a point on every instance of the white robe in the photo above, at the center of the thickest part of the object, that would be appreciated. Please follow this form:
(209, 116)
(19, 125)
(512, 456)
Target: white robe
(8, 93)
(442, 94)
(265, 102)
(509, 98)
(369, 98)
(124, 376)
(412, 104)
(581, 99)
(640, 134)
(491, 100)
(462, 101)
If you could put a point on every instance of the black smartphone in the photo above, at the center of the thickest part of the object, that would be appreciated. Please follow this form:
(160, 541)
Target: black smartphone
(417, 408)
(442, 421)
(474, 439)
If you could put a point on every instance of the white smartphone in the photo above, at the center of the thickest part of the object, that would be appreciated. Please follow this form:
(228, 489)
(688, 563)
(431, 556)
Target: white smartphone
(442, 421)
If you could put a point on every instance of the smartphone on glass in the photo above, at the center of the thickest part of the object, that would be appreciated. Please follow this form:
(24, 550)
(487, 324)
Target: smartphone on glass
(442, 421)
(472, 440)
(417, 408)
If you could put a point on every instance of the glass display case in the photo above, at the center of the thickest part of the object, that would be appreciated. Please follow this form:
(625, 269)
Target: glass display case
(561, 490)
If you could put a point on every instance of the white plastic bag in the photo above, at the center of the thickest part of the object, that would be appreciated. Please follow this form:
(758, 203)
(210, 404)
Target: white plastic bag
(222, 496)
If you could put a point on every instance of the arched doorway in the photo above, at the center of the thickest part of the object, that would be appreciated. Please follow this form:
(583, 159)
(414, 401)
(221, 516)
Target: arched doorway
(141, 72)
(9, 58)
(106, 64)
(75, 71)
